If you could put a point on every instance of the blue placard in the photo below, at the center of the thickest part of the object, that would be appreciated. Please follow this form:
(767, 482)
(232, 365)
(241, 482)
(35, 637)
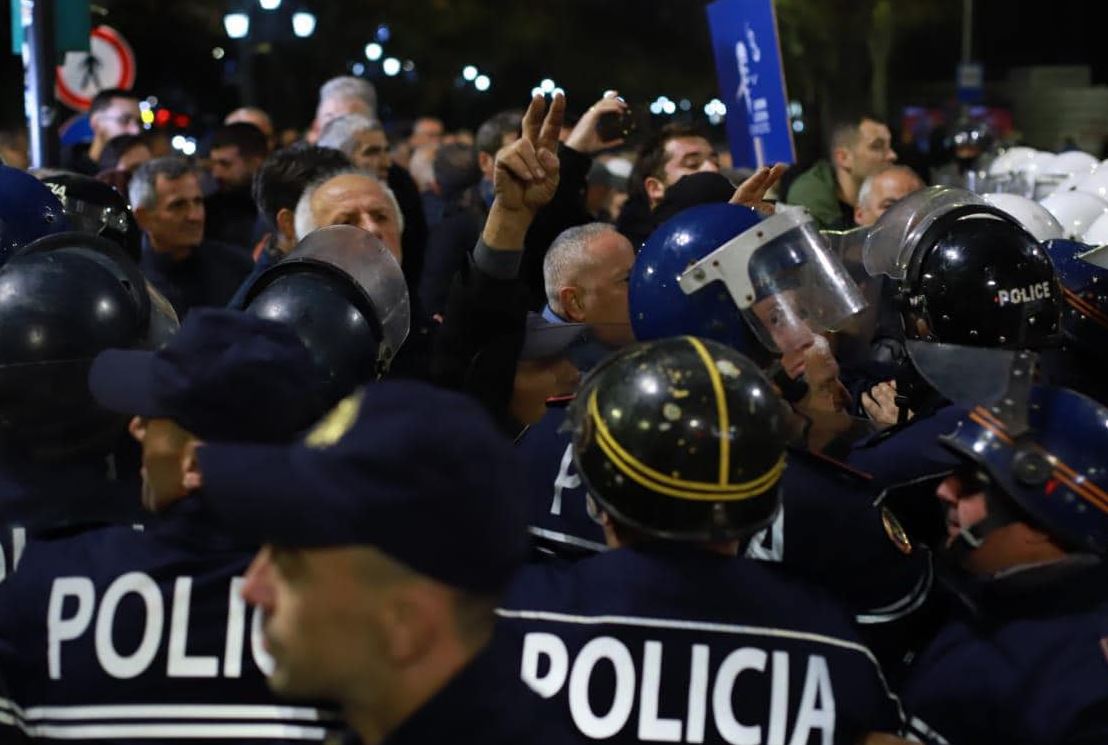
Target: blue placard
(751, 81)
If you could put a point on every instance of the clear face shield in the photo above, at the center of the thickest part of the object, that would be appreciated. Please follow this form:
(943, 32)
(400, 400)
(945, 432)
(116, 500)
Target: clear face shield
(373, 270)
(784, 279)
(163, 319)
(890, 242)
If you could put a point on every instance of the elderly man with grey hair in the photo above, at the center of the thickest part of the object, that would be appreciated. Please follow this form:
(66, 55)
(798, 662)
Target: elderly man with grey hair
(362, 140)
(585, 273)
(343, 95)
(188, 270)
(882, 190)
(352, 197)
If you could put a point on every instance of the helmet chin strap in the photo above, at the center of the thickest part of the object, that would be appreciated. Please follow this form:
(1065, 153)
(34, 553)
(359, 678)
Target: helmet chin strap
(969, 539)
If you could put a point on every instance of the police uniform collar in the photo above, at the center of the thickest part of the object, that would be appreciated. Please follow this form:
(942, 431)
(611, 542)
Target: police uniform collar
(485, 702)
(677, 550)
(1074, 584)
(191, 523)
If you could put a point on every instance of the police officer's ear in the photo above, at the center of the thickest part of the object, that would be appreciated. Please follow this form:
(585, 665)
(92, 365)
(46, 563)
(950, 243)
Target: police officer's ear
(137, 428)
(191, 478)
(286, 224)
(412, 620)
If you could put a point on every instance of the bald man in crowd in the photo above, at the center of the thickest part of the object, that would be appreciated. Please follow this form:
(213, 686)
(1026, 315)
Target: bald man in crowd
(882, 190)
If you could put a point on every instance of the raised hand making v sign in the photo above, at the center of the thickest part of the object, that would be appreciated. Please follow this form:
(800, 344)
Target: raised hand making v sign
(525, 176)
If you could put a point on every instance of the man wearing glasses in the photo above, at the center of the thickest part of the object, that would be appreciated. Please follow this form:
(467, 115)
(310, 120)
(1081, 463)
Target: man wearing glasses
(113, 112)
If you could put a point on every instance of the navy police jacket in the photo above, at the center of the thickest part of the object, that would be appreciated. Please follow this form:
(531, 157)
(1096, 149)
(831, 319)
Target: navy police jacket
(670, 643)
(828, 531)
(37, 496)
(484, 704)
(909, 451)
(1028, 664)
(114, 634)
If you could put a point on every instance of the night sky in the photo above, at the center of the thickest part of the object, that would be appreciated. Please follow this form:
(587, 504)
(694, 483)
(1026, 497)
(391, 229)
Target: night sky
(643, 47)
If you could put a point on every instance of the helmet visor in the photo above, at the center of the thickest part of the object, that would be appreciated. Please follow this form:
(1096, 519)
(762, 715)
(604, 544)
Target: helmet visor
(163, 319)
(892, 239)
(1097, 257)
(371, 267)
(784, 279)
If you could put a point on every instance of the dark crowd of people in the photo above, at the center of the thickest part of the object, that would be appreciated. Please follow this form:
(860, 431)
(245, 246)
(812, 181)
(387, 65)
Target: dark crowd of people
(519, 436)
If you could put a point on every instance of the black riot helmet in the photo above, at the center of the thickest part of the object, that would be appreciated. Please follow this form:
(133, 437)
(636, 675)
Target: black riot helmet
(64, 299)
(681, 439)
(966, 272)
(96, 208)
(345, 296)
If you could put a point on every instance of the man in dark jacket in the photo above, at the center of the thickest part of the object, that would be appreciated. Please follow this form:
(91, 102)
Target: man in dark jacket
(188, 270)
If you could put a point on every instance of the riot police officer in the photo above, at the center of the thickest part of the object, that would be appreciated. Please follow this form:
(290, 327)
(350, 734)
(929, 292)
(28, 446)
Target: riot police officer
(109, 633)
(1022, 526)
(63, 299)
(1083, 279)
(776, 287)
(94, 207)
(343, 294)
(965, 273)
(27, 211)
(669, 636)
(963, 276)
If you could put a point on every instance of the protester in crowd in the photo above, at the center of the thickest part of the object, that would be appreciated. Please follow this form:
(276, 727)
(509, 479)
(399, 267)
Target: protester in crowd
(674, 151)
(125, 153)
(351, 197)
(427, 130)
(342, 95)
(461, 214)
(421, 166)
(487, 329)
(361, 139)
(859, 145)
(277, 187)
(187, 269)
(236, 154)
(112, 112)
(258, 117)
(882, 189)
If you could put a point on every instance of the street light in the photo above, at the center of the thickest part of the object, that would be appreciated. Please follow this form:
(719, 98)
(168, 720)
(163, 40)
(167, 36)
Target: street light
(303, 24)
(237, 25)
(469, 72)
(482, 83)
(391, 66)
(373, 51)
